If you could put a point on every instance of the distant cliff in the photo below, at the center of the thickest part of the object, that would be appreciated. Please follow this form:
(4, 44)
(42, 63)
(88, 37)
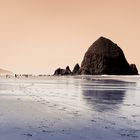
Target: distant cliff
(5, 72)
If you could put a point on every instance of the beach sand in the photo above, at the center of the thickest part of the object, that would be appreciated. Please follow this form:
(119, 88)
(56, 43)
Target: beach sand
(70, 108)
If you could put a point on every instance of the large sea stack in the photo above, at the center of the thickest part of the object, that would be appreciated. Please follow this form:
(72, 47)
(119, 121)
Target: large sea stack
(106, 57)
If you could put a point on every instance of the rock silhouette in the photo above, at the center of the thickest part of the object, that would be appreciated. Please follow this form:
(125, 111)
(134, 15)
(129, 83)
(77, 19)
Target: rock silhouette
(134, 69)
(67, 71)
(106, 57)
(60, 71)
(102, 57)
(76, 69)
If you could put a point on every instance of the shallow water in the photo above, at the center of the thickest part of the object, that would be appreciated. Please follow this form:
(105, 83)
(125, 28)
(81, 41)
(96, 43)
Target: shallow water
(65, 108)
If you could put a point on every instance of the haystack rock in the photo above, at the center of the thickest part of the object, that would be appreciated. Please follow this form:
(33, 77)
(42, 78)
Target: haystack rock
(76, 69)
(60, 71)
(106, 57)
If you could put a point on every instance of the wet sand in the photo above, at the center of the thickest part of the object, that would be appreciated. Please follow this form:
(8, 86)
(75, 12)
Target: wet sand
(65, 108)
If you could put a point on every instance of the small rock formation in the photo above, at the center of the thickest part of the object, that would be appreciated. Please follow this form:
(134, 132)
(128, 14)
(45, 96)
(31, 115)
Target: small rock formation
(76, 69)
(134, 69)
(67, 71)
(106, 57)
(60, 71)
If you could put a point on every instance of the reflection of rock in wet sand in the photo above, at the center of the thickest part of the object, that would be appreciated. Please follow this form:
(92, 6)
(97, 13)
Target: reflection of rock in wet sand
(108, 98)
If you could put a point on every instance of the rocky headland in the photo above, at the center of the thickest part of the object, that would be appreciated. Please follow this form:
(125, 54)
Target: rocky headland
(102, 57)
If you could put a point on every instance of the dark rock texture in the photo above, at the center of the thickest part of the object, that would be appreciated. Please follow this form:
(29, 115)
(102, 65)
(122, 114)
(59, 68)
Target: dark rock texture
(60, 71)
(105, 57)
(134, 69)
(76, 69)
(67, 71)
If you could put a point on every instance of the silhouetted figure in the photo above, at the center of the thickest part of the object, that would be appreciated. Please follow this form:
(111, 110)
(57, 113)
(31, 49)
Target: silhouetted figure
(16, 75)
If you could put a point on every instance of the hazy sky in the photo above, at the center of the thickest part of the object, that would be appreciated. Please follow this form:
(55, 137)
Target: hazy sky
(38, 36)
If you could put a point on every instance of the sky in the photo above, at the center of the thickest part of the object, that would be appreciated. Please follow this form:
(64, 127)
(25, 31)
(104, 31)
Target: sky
(38, 36)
